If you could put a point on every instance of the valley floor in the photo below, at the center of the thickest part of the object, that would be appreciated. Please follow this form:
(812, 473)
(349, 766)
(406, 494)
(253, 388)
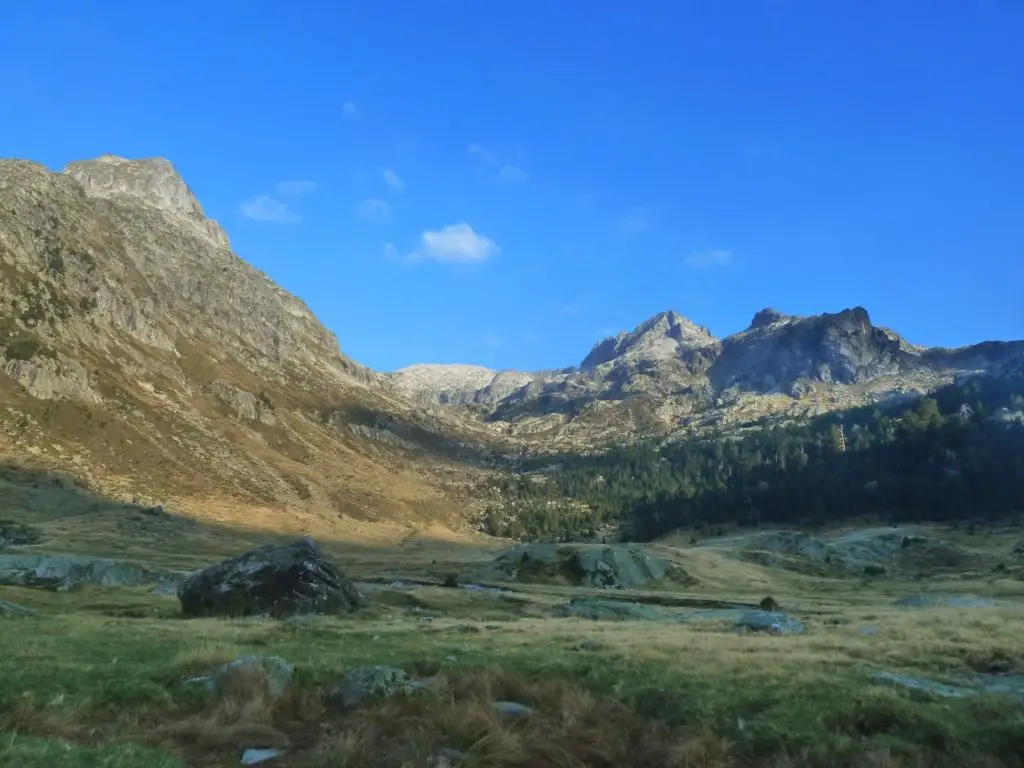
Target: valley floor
(96, 676)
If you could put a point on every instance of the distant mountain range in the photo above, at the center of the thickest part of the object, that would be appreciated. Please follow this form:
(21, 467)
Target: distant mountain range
(142, 354)
(671, 374)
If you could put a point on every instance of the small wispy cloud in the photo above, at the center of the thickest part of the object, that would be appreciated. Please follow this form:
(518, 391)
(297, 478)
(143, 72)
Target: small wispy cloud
(634, 222)
(374, 209)
(455, 244)
(392, 179)
(295, 188)
(493, 340)
(496, 163)
(528, 337)
(265, 208)
(709, 258)
(570, 310)
(350, 110)
(511, 174)
(481, 152)
(390, 252)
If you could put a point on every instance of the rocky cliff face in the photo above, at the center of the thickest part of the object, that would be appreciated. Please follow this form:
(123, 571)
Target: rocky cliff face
(670, 374)
(140, 352)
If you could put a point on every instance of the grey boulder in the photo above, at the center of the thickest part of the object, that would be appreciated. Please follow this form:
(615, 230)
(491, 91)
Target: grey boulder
(275, 580)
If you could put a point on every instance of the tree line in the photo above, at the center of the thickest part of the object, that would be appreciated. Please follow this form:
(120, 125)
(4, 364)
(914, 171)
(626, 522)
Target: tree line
(957, 454)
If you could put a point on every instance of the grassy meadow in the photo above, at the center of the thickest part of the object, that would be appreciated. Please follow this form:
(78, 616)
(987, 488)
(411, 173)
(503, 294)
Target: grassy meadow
(95, 677)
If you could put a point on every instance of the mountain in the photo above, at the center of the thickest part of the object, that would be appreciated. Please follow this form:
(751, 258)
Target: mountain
(143, 355)
(671, 375)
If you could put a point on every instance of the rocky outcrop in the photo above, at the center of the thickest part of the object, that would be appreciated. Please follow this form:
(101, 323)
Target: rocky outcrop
(66, 572)
(586, 565)
(276, 580)
(153, 182)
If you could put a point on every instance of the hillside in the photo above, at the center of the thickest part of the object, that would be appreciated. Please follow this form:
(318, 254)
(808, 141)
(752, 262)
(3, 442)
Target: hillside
(147, 358)
(956, 456)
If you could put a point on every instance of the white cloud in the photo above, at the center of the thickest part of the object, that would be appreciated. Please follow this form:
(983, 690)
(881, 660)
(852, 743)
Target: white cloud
(710, 258)
(480, 151)
(528, 337)
(493, 340)
(294, 188)
(350, 110)
(265, 208)
(634, 222)
(511, 174)
(372, 208)
(392, 179)
(390, 253)
(456, 244)
(570, 310)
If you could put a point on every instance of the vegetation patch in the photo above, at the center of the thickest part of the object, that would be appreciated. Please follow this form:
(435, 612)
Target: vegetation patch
(26, 345)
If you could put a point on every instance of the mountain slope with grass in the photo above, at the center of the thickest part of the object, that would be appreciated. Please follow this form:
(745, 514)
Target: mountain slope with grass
(141, 354)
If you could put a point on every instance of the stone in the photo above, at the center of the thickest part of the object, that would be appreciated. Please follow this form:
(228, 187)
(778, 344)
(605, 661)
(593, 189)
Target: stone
(511, 709)
(608, 610)
(279, 674)
(277, 580)
(362, 683)
(257, 756)
(65, 572)
(769, 604)
(773, 622)
(586, 565)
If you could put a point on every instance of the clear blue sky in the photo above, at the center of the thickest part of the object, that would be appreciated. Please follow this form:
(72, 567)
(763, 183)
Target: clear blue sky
(500, 183)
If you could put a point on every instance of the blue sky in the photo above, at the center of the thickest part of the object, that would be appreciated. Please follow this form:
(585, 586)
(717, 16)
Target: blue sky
(501, 183)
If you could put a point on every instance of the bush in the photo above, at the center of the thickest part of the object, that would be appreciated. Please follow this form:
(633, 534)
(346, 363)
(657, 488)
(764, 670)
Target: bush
(25, 346)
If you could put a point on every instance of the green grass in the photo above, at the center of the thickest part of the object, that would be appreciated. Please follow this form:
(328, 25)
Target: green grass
(103, 670)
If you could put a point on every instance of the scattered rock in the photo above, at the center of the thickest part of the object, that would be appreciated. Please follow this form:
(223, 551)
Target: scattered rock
(279, 674)
(279, 580)
(589, 646)
(773, 622)
(451, 581)
(257, 756)
(608, 610)
(511, 709)
(869, 631)
(65, 572)
(14, 611)
(168, 587)
(588, 565)
(364, 682)
(466, 629)
(770, 604)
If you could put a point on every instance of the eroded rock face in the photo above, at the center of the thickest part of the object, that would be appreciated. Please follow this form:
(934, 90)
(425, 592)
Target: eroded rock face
(276, 580)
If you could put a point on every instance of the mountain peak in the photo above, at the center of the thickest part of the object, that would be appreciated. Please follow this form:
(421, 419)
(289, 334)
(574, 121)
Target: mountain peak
(766, 316)
(659, 337)
(153, 181)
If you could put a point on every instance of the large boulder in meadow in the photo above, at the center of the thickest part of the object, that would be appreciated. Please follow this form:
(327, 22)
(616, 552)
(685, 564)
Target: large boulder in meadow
(274, 580)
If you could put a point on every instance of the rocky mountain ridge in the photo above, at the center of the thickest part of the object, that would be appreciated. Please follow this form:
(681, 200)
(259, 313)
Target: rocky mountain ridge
(670, 374)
